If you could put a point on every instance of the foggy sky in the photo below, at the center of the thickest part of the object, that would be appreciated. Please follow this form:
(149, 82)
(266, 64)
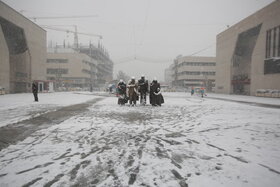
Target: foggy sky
(143, 36)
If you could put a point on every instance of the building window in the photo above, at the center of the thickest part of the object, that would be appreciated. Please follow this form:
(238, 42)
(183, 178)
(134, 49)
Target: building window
(21, 75)
(279, 41)
(197, 73)
(50, 78)
(272, 61)
(86, 62)
(272, 66)
(197, 64)
(274, 42)
(272, 46)
(57, 71)
(57, 60)
(266, 47)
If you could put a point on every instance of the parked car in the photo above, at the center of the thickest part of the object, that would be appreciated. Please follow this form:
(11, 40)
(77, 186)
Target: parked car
(275, 93)
(2, 91)
(260, 93)
(267, 93)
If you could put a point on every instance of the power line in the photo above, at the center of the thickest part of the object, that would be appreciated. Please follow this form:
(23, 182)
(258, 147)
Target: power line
(62, 17)
(143, 59)
(70, 31)
(201, 50)
(156, 61)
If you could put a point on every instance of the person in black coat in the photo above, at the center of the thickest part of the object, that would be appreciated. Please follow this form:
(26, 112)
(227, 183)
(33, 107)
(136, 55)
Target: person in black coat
(35, 91)
(156, 98)
(143, 89)
(121, 90)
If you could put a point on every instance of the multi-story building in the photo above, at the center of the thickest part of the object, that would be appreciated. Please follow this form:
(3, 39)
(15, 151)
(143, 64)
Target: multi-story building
(104, 63)
(248, 53)
(22, 52)
(193, 71)
(69, 69)
(168, 72)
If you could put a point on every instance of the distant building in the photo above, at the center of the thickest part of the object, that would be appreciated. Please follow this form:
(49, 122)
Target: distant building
(248, 53)
(104, 63)
(168, 75)
(70, 69)
(22, 52)
(192, 71)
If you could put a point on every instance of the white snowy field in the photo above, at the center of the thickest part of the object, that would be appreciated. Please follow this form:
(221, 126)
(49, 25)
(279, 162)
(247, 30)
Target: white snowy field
(18, 107)
(189, 141)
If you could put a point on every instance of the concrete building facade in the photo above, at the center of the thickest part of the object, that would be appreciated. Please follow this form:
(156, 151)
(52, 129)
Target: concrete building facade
(194, 71)
(248, 53)
(104, 63)
(22, 51)
(168, 72)
(70, 69)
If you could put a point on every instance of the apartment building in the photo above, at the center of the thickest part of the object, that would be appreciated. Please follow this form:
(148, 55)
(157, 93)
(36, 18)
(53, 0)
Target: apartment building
(194, 71)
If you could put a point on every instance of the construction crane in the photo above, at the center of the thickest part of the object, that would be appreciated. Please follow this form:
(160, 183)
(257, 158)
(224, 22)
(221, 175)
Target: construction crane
(76, 42)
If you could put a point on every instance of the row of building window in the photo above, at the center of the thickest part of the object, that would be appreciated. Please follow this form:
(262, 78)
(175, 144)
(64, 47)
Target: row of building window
(89, 63)
(70, 80)
(21, 75)
(197, 64)
(197, 73)
(57, 60)
(273, 42)
(196, 80)
(88, 71)
(58, 71)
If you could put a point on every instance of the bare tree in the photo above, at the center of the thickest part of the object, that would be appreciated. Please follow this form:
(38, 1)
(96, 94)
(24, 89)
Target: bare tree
(123, 76)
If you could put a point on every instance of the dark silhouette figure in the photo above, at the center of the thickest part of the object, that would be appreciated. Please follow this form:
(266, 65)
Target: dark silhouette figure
(121, 91)
(143, 89)
(35, 91)
(156, 98)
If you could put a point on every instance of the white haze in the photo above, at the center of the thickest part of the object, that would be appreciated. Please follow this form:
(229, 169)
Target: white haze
(143, 36)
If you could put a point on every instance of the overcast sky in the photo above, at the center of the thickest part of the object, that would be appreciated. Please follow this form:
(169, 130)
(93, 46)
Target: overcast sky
(143, 36)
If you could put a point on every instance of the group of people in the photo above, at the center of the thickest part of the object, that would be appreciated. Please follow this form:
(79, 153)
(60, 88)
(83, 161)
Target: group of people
(131, 92)
(202, 91)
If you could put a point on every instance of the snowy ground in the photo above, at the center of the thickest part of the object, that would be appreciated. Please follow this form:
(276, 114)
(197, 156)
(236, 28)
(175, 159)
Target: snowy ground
(189, 141)
(18, 107)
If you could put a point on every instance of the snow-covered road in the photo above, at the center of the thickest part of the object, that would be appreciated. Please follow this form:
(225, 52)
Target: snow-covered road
(189, 141)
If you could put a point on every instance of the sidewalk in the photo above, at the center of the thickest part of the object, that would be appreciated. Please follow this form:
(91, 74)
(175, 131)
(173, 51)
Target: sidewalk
(260, 101)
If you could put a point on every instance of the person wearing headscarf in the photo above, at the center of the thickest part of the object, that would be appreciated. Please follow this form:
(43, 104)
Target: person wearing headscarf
(121, 91)
(132, 91)
(156, 98)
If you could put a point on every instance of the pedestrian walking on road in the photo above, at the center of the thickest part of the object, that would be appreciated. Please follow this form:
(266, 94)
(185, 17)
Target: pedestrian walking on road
(202, 91)
(35, 91)
(192, 91)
